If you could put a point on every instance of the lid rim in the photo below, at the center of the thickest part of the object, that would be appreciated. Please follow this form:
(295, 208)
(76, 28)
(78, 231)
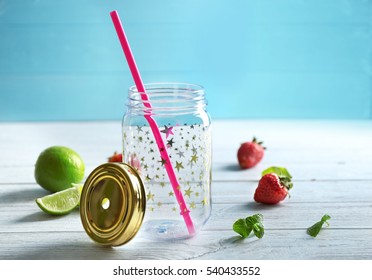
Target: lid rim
(133, 204)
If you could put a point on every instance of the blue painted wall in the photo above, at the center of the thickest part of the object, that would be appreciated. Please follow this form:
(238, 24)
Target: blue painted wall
(61, 60)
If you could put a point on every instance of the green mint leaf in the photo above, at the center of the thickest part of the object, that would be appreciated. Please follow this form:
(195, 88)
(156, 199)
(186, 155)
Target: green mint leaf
(245, 226)
(256, 222)
(258, 230)
(242, 228)
(252, 220)
(280, 171)
(325, 218)
(315, 228)
(258, 217)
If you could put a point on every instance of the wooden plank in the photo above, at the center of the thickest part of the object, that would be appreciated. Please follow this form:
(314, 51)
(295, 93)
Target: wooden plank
(296, 245)
(294, 216)
(299, 171)
(279, 133)
(230, 192)
(230, 172)
(276, 244)
(105, 137)
(302, 192)
(294, 134)
(27, 217)
(93, 154)
(94, 141)
(286, 216)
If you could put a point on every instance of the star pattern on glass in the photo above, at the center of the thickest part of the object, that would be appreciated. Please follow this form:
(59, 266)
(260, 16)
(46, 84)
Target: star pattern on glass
(167, 130)
(194, 158)
(180, 154)
(170, 143)
(186, 146)
(188, 192)
(150, 196)
(163, 161)
(194, 149)
(179, 166)
(204, 201)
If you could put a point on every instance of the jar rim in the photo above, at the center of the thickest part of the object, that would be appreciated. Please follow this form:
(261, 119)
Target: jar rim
(190, 87)
(166, 98)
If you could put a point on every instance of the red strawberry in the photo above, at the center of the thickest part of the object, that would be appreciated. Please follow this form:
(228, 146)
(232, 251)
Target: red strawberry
(250, 153)
(272, 188)
(116, 157)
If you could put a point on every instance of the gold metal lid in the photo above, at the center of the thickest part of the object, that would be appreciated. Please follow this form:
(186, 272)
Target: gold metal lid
(113, 204)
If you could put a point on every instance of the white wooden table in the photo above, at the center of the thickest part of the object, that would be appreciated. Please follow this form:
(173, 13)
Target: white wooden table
(331, 164)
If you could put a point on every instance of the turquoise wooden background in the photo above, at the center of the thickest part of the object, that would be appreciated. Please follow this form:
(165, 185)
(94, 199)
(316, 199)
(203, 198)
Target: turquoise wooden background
(61, 60)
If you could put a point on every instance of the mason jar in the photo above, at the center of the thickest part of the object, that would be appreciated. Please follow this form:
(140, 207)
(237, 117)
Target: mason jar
(167, 139)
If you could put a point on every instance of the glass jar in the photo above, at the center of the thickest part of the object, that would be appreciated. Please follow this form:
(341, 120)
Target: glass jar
(167, 139)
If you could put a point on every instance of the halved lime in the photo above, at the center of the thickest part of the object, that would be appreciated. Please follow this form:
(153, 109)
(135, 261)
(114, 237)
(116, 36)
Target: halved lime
(61, 203)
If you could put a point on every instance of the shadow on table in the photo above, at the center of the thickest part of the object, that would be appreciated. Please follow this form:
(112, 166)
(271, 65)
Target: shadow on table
(232, 167)
(74, 250)
(22, 196)
(254, 206)
(38, 217)
(77, 246)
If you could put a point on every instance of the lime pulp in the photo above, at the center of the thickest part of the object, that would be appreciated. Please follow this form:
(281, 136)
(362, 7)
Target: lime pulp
(61, 203)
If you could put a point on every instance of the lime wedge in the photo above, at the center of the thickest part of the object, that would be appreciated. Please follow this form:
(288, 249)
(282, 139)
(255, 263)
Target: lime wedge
(61, 203)
(80, 189)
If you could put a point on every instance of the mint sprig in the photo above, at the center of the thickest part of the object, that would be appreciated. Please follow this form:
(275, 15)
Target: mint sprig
(252, 223)
(315, 228)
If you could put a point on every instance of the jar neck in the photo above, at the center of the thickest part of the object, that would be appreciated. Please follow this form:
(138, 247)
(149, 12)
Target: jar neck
(167, 98)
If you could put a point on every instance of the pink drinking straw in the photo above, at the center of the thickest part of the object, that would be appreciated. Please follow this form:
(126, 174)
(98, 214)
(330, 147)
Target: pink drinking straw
(185, 212)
